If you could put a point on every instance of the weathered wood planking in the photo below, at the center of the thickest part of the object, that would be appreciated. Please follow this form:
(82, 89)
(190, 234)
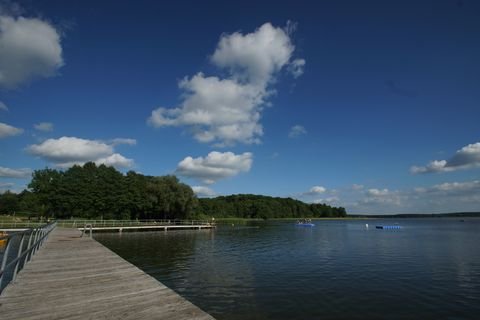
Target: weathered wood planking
(78, 278)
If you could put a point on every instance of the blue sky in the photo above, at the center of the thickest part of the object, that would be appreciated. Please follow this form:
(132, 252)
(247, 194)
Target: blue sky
(370, 105)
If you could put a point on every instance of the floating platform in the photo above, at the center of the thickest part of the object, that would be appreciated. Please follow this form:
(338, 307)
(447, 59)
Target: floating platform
(149, 228)
(305, 224)
(388, 227)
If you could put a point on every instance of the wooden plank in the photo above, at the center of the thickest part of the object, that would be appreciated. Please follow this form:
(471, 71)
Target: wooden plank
(78, 278)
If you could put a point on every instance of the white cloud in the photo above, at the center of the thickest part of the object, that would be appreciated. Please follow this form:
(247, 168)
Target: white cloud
(438, 198)
(4, 186)
(29, 48)
(381, 199)
(465, 158)
(451, 188)
(228, 110)
(202, 191)
(317, 190)
(67, 151)
(314, 191)
(448, 196)
(357, 186)
(7, 130)
(44, 126)
(296, 67)
(254, 57)
(116, 160)
(3, 106)
(15, 173)
(297, 131)
(329, 200)
(127, 141)
(216, 110)
(215, 166)
(377, 192)
(433, 166)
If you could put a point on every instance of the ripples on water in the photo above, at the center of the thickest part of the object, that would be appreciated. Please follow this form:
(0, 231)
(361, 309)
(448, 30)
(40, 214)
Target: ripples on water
(337, 269)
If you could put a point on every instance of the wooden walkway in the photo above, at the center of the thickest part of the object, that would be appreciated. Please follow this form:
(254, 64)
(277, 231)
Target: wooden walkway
(150, 227)
(78, 278)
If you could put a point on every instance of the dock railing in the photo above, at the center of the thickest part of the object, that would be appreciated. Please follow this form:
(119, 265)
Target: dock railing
(19, 248)
(73, 223)
(21, 224)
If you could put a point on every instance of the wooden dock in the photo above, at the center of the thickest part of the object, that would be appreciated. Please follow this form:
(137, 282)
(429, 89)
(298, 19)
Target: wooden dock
(73, 277)
(164, 227)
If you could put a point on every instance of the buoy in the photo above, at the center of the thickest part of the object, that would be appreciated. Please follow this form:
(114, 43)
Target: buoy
(388, 227)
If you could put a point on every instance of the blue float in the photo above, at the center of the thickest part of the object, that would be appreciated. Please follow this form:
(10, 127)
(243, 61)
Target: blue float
(388, 227)
(305, 224)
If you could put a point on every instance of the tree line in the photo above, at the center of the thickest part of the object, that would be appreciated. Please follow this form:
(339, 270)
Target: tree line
(264, 207)
(102, 192)
(92, 192)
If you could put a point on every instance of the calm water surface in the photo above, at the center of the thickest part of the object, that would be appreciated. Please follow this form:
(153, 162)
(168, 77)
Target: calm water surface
(337, 269)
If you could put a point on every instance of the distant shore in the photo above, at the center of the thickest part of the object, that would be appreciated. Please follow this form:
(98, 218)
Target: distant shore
(362, 217)
(417, 215)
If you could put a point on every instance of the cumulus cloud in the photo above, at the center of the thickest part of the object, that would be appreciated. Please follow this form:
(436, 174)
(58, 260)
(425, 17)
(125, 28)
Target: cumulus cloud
(433, 166)
(297, 131)
(7, 130)
(3, 106)
(15, 173)
(29, 48)
(465, 158)
(215, 166)
(448, 196)
(316, 190)
(228, 110)
(438, 198)
(381, 198)
(254, 57)
(116, 160)
(216, 110)
(202, 191)
(44, 126)
(67, 151)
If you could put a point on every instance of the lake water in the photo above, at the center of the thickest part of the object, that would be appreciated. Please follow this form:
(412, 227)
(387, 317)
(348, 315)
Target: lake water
(430, 268)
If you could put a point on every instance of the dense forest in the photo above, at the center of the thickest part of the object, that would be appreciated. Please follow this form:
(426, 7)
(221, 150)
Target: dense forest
(256, 206)
(92, 191)
(95, 192)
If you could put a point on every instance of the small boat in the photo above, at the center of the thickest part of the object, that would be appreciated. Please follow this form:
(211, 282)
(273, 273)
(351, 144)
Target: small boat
(304, 224)
(388, 227)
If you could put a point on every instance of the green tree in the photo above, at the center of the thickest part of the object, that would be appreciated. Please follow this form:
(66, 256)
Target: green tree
(9, 203)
